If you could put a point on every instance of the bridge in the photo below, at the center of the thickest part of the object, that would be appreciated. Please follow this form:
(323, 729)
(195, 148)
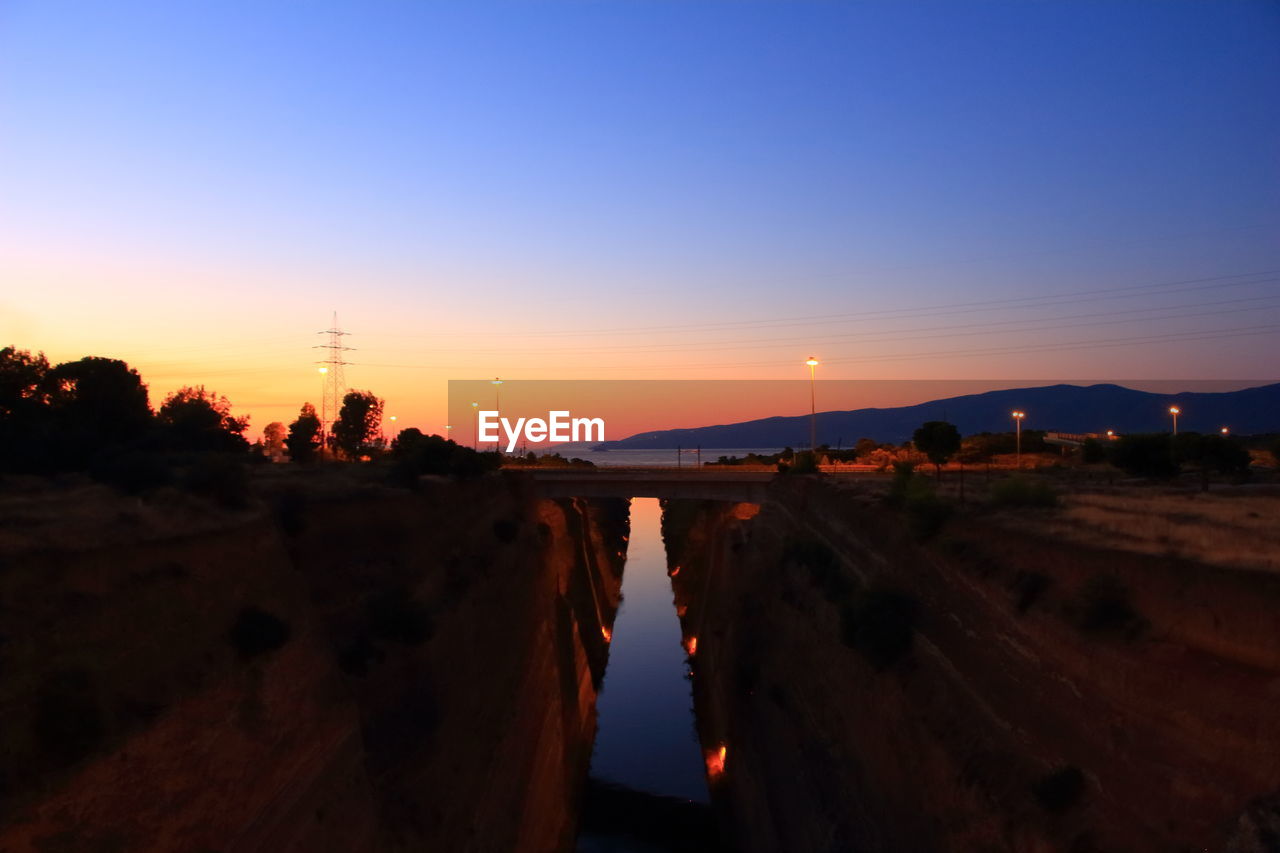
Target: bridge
(737, 486)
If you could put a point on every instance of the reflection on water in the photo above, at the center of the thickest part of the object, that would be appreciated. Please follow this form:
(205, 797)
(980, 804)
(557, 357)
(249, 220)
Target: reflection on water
(646, 752)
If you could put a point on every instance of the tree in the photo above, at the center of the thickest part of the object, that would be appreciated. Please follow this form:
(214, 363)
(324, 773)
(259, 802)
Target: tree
(865, 447)
(358, 424)
(25, 387)
(937, 440)
(1212, 453)
(417, 454)
(1149, 455)
(95, 404)
(303, 441)
(24, 383)
(198, 420)
(273, 439)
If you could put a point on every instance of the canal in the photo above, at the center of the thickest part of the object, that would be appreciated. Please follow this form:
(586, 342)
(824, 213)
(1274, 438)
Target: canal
(647, 788)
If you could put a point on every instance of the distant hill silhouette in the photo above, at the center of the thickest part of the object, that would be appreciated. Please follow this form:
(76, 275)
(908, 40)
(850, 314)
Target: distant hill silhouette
(1066, 408)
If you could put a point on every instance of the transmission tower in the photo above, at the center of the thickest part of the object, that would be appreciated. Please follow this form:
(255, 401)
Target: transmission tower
(334, 376)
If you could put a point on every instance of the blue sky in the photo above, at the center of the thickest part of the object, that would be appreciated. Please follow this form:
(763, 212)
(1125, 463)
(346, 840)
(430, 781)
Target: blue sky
(473, 172)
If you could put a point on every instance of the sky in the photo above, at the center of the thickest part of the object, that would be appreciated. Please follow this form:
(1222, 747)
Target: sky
(640, 190)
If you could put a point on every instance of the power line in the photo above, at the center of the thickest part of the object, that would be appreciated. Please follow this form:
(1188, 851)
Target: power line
(1045, 300)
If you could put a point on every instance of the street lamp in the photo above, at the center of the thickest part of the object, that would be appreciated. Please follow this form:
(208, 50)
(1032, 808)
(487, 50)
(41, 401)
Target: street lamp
(1175, 411)
(1225, 431)
(813, 408)
(1017, 421)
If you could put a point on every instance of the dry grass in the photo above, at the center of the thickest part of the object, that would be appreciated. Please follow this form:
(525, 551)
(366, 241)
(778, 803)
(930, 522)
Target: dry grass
(1234, 530)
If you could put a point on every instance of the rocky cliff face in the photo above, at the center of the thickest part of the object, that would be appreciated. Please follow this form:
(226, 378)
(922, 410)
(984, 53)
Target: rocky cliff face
(337, 668)
(987, 689)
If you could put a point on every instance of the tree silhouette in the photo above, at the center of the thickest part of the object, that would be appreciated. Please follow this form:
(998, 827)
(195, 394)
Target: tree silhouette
(939, 441)
(358, 424)
(25, 387)
(303, 441)
(273, 439)
(194, 419)
(95, 404)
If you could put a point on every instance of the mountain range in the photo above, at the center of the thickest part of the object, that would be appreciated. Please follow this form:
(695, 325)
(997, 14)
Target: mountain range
(1063, 408)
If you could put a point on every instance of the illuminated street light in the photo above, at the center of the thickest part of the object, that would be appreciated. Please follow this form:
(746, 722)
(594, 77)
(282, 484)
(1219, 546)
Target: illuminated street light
(813, 408)
(1225, 431)
(1017, 420)
(1175, 411)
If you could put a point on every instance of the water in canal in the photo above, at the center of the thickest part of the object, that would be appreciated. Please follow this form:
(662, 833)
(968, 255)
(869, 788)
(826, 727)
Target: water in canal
(646, 768)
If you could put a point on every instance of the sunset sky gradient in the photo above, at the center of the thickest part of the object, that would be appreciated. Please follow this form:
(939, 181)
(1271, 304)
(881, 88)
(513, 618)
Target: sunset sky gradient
(561, 190)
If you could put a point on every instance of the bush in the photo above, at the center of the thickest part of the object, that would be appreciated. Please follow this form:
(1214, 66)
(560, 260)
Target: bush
(505, 530)
(926, 512)
(1145, 455)
(132, 472)
(68, 723)
(879, 623)
(1027, 589)
(1023, 492)
(1104, 605)
(257, 632)
(1093, 452)
(417, 454)
(823, 566)
(804, 462)
(395, 615)
(290, 510)
(222, 479)
(1059, 790)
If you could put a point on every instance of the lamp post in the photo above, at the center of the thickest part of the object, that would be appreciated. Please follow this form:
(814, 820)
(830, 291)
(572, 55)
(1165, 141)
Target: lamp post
(813, 408)
(497, 407)
(1175, 411)
(475, 435)
(1017, 421)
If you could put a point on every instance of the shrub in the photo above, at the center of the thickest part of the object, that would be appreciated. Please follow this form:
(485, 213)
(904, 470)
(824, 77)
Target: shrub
(131, 472)
(256, 632)
(823, 566)
(1145, 455)
(1023, 492)
(395, 615)
(290, 510)
(222, 479)
(1104, 605)
(879, 623)
(68, 723)
(505, 530)
(1059, 790)
(1027, 589)
(804, 462)
(926, 512)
